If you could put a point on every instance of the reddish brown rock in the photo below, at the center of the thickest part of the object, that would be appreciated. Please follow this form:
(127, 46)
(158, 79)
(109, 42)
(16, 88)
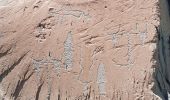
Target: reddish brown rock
(77, 49)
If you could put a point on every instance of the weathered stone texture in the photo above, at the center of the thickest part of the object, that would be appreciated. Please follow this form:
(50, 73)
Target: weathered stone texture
(77, 49)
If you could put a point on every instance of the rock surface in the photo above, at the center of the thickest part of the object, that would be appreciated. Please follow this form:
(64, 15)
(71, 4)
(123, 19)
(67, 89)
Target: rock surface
(78, 49)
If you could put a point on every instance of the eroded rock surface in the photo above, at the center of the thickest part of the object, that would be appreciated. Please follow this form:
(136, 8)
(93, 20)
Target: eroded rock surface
(78, 49)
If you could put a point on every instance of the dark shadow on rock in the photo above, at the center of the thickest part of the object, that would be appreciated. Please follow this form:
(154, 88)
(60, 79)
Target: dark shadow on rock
(159, 74)
(162, 54)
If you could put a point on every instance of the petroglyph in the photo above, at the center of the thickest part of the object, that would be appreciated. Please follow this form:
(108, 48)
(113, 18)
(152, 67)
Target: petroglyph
(48, 85)
(85, 88)
(64, 13)
(142, 34)
(39, 64)
(101, 80)
(74, 13)
(114, 39)
(68, 51)
(57, 65)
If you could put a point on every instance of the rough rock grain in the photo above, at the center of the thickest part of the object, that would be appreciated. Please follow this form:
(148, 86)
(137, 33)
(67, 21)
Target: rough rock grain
(78, 49)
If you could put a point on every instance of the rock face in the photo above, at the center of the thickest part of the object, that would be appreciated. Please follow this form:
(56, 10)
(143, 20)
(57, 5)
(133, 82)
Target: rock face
(82, 49)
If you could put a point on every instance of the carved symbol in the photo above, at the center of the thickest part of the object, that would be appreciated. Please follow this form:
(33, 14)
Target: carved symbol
(101, 80)
(66, 12)
(68, 49)
(38, 64)
(142, 34)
